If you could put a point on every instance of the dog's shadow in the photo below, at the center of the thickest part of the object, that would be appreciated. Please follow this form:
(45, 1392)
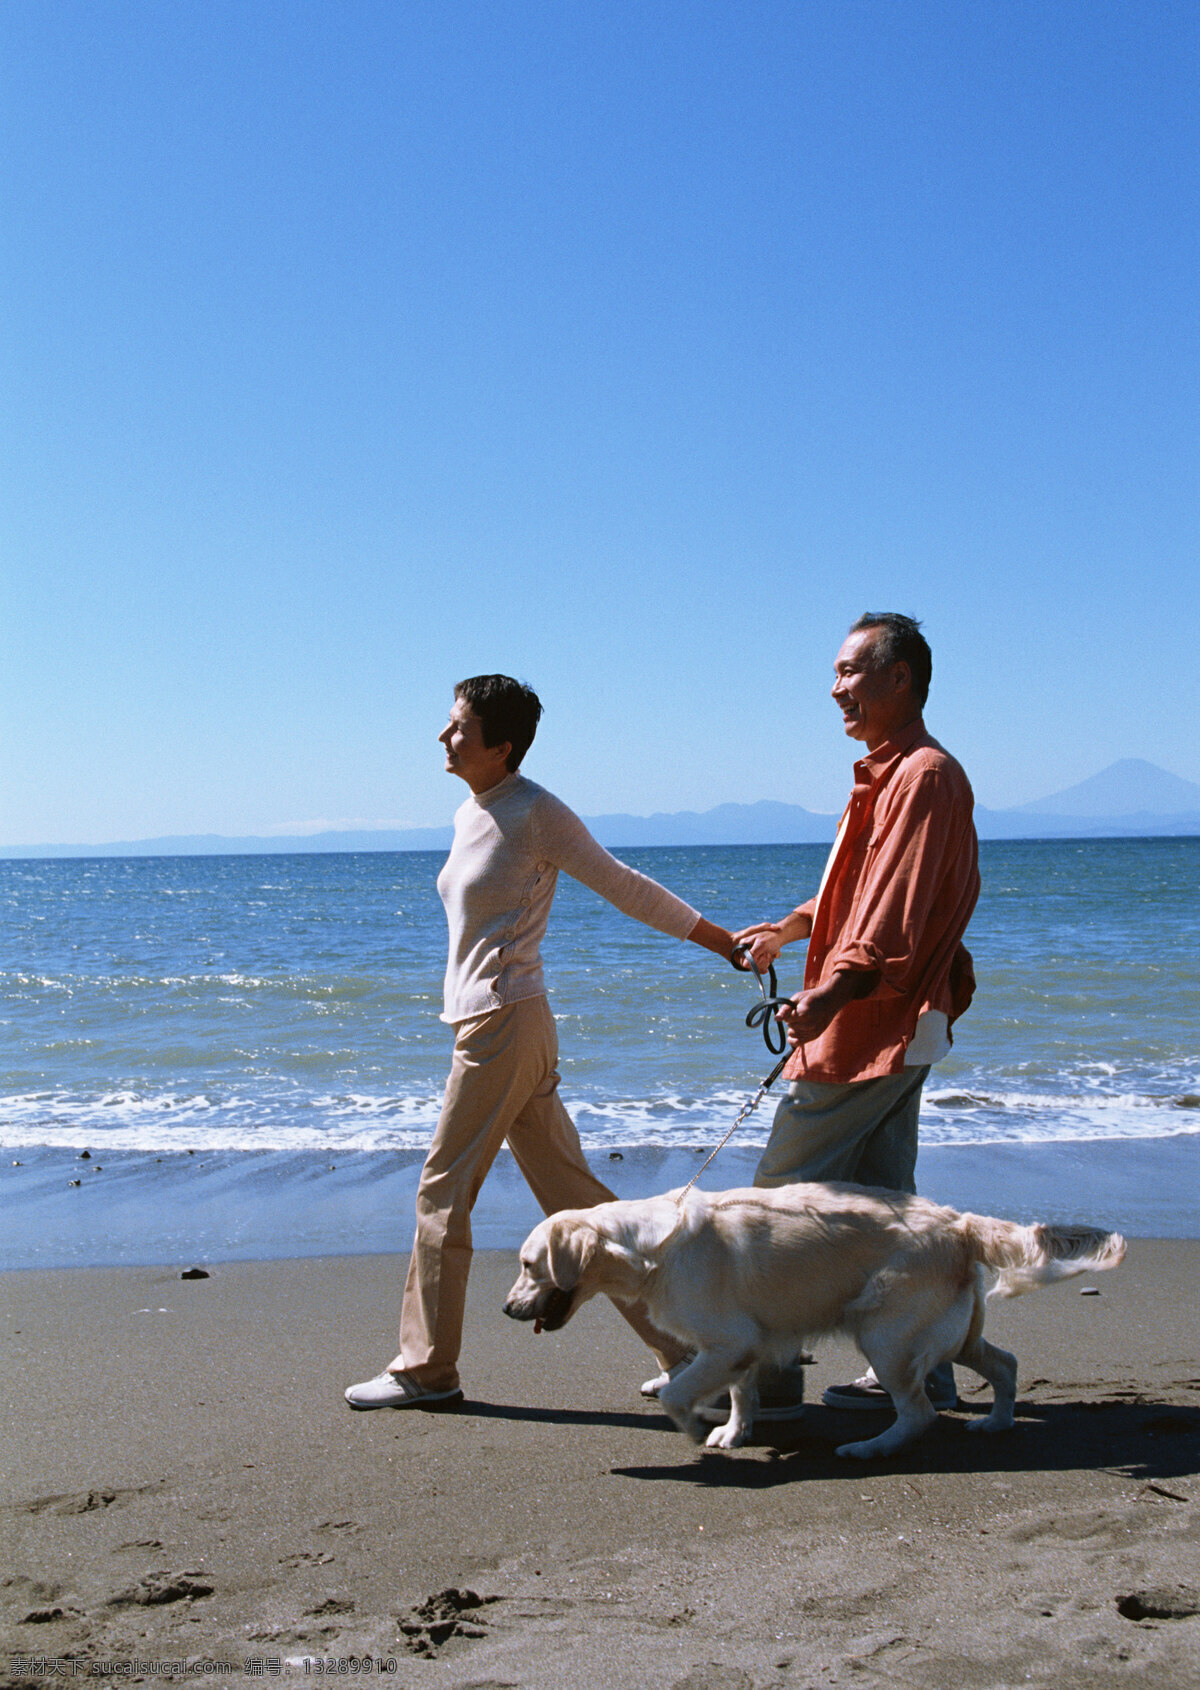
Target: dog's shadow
(1142, 1440)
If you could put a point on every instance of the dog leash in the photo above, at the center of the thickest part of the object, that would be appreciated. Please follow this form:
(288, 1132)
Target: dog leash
(762, 1014)
(759, 1016)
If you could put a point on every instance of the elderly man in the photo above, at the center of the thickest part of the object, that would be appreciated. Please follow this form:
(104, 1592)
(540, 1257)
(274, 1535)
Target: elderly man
(887, 972)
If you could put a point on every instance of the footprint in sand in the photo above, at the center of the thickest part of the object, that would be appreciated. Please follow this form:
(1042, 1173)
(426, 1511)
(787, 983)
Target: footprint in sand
(714, 1676)
(439, 1619)
(31, 1590)
(47, 1616)
(331, 1605)
(83, 1502)
(1096, 1526)
(1179, 1603)
(46, 1602)
(154, 1589)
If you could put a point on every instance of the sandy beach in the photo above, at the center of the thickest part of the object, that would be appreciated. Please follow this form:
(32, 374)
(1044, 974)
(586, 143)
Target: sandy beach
(184, 1484)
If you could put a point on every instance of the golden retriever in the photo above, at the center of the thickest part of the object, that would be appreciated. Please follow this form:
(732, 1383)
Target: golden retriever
(750, 1276)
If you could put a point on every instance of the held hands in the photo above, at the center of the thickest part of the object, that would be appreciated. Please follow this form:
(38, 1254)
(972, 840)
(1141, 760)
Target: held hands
(765, 939)
(808, 1014)
(764, 943)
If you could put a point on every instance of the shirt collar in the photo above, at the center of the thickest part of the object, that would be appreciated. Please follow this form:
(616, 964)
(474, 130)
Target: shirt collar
(877, 762)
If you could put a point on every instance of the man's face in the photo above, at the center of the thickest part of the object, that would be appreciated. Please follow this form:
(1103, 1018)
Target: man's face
(481, 766)
(875, 702)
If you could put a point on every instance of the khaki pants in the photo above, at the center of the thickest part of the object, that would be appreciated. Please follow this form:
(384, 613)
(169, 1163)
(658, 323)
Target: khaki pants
(503, 1084)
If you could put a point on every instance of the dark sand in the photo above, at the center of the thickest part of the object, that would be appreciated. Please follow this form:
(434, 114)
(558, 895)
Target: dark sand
(182, 1481)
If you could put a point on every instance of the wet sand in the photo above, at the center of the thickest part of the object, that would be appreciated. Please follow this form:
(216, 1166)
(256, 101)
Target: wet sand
(114, 1208)
(182, 1482)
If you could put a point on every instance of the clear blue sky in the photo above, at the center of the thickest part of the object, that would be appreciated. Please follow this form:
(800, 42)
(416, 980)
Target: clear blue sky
(633, 348)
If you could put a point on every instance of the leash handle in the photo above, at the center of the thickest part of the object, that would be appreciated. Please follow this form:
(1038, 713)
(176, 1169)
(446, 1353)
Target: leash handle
(763, 1014)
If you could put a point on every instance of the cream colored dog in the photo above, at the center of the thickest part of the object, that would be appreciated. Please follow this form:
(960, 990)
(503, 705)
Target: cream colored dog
(744, 1277)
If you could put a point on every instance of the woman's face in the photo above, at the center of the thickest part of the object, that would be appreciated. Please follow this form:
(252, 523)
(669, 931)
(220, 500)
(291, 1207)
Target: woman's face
(481, 766)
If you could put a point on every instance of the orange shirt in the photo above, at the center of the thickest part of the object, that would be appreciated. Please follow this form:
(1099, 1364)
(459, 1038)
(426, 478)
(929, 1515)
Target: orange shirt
(898, 893)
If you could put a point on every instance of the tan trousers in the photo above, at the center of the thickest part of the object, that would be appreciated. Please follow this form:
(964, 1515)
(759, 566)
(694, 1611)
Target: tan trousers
(503, 1084)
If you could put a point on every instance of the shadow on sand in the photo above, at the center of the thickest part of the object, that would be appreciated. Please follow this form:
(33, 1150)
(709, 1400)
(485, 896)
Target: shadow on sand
(1143, 1440)
(1148, 1441)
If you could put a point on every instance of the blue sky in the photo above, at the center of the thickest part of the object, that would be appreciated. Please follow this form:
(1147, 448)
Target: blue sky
(632, 348)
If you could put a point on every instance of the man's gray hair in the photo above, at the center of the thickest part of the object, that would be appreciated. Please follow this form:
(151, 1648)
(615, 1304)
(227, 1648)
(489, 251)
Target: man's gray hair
(901, 641)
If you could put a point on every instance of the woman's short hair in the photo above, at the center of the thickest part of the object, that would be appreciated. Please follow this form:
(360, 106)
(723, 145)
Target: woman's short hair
(508, 709)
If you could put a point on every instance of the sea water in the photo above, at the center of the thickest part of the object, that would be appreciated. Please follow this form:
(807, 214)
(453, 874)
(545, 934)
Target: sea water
(290, 1003)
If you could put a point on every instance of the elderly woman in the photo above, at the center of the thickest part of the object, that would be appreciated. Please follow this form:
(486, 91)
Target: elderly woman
(511, 837)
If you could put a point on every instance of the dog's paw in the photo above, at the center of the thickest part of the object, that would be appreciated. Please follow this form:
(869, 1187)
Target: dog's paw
(685, 1420)
(727, 1436)
(991, 1423)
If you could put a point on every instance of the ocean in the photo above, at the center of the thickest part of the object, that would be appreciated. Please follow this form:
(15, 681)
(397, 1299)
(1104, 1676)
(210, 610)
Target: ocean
(287, 1006)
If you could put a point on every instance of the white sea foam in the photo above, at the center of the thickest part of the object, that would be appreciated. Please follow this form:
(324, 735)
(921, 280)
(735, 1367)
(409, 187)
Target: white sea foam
(298, 1121)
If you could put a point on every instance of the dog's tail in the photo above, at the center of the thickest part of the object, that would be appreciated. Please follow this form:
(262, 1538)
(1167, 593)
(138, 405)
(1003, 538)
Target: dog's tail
(1024, 1257)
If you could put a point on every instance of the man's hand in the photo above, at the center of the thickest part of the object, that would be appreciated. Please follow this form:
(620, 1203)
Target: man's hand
(763, 943)
(809, 1013)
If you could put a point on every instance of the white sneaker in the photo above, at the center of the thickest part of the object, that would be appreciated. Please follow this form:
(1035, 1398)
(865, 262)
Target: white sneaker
(867, 1392)
(396, 1390)
(655, 1387)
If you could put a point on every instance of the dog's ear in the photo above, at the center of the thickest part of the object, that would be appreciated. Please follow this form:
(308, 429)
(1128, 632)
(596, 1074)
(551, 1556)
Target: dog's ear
(572, 1246)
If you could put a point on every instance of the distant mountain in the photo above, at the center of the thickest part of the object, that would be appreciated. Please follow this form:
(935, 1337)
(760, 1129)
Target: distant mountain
(1130, 787)
(764, 823)
(225, 845)
(1145, 824)
(1129, 799)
